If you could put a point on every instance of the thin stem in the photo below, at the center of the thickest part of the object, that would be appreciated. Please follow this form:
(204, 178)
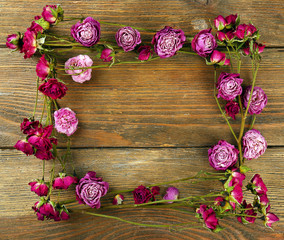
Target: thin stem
(37, 85)
(192, 53)
(42, 112)
(231, 64)
(43, 169)
(136, 223)
(252, 121)
(219, 106)
(55, 104)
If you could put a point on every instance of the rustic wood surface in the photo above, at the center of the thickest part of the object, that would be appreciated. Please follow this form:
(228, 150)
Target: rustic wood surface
(140, 124)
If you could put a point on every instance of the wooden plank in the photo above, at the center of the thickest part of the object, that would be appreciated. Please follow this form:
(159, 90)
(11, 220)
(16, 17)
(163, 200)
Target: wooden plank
(128, 168)
(164, 103)
(191, 16)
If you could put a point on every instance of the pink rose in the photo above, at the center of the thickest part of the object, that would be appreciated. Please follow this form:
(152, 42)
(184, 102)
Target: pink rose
(63, 181)
(25, 147)
(65, 121)
(80, 61)
(43, 68)
(39, 187)
(107, 55)
(218, 58)
(144, 53)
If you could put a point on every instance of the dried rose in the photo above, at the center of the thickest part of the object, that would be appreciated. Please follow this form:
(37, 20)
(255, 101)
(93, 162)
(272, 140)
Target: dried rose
(127, 38)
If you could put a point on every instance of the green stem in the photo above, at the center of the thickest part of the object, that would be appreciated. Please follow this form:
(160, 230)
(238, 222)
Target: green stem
(252, 122)
(138, 224)
(222, 112)
(42, 112)
(231, 63)
(43, 168)
(55, 104)
(37, 85)
(192, 53)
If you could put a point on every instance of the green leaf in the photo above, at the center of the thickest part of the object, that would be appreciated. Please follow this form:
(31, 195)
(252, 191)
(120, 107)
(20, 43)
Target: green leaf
(218, 229)
(245, 169)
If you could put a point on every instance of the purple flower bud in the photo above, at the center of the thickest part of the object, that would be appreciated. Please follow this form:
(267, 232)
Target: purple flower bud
(232, 109)
(254, 144)
(219, 58)
(107, 55)
(144, 53)
(220, 22)
(168, 41)
(270, 218)
(118, 199)
(52, 13)
(236, 194)
(87, 33)
(25, 147)
(244, 30)
(127, 38)
(263, 200)
(204, 43)
(229, 86)
(39, 187)
(172, 194)
(90, 189)
(231, 19)
(222, 155)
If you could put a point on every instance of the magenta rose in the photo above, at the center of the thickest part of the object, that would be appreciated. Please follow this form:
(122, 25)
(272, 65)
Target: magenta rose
(25, 147)
(44, 154)
(218, 58)
(142, 195)
(29, 44)
(270, 218)
(168, 41)
(225, 36)
(29, 127)
(43, 68)
(80, 61)
(236, 194)
(14, 41)
(63, 181)
(254, 144)
(65, 121)
(208, 216)
(232, 109)
(244, 30)
(229, 86)
(39, 187)
(258, 100)
(53, 89)
(107, 55)
(127, 38)
(41, 140)
(249, 212)
(222, 155)
(145, 52)
(172, 194)
(220, 22)
(87, 33)
(90, 189)
(204, 43)
(257, 47)
(257, 186)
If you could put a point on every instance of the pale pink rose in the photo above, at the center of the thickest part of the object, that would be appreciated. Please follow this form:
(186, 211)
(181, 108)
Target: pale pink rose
(65, 121)
(82, 62)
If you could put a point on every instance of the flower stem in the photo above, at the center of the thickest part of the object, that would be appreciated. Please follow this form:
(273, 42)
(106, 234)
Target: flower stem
(252, 121)
(42, 112)
(192, 53)
(37, 85)
(222, 112)
(43, 168)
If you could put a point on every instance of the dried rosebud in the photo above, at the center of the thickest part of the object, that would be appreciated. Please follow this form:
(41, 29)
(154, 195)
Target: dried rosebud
(25, 147)
(44, 155)
(236, 194)
(269, 219)
(118, 199)
(81, 61)
(145, 53)
(65, 121)
(53, 89)
(29, 127)
(208, 216)
(87, 33)
(43, 68)
(52, 13)
(231, 20)
(204, 43)
(254, 144)
(258, 100)
(257, 47)
(229, 86)
(29, 44)
(107, 55)
(244, 31)
(127, 38)
(220, 22)
(172, 194)
(63, 181)
(222, 155)
(232, 109)
(250, 212)
(168, 41)
(225, 36)
(218, 58)
(15, 41)
(257, 185)
(39, 187)
(40, 138)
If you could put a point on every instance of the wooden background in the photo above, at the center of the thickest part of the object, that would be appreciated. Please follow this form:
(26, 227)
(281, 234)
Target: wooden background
(140, 124)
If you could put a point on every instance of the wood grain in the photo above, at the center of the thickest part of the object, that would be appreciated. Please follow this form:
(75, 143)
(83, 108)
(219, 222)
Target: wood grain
(128, 168)
(191, 16)
(164, 103)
